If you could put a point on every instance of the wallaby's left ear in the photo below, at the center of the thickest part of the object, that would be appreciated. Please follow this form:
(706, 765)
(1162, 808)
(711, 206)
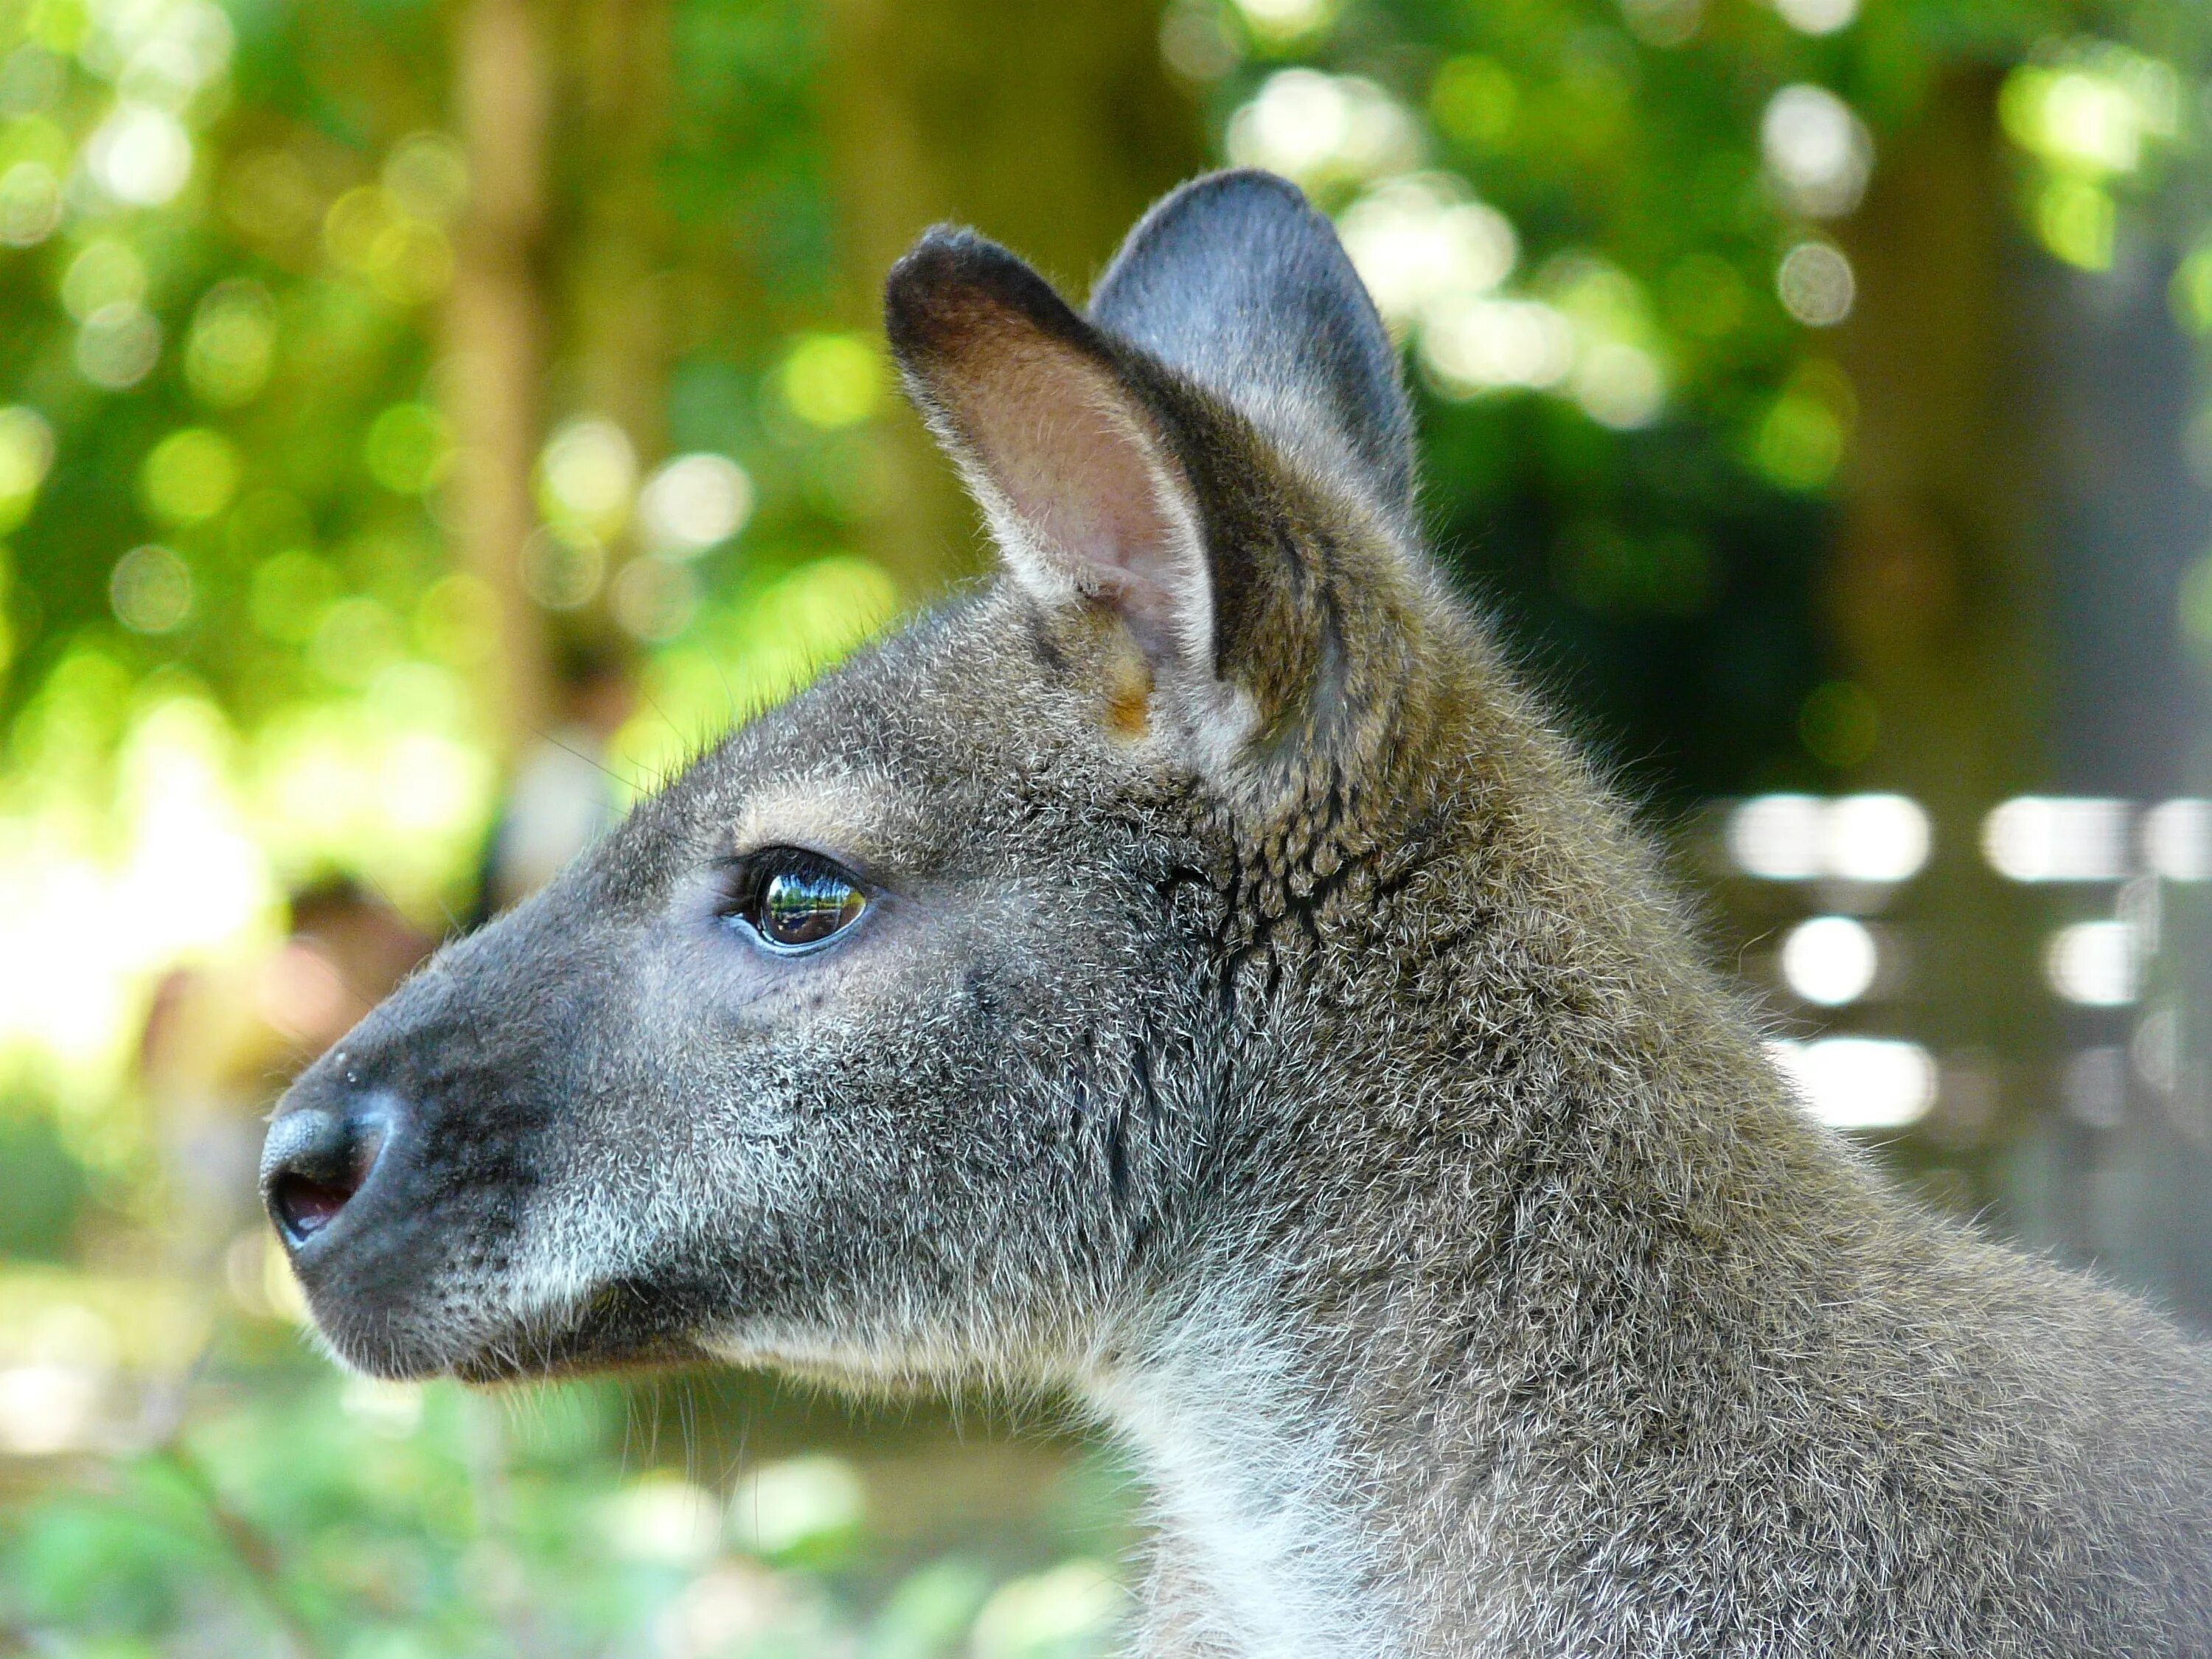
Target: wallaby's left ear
(1083, 475)
(1235, 281)
(1219, 461)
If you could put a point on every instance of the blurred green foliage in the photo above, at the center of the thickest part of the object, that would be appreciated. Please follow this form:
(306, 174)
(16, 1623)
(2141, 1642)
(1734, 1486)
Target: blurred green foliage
(1656, 202)
(308, 1516)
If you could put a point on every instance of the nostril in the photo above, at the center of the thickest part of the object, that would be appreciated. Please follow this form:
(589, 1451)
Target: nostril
(304, 1207)
(315, 1162)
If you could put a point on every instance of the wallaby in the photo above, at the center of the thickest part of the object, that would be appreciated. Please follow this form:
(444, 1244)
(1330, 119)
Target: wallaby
(1187, 973)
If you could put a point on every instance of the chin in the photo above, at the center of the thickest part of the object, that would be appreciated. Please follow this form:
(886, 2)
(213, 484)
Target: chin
(607, 1336)
(859, 1362)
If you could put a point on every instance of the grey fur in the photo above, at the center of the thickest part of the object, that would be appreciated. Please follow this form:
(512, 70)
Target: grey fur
(1268, 1030)
(1237, 283)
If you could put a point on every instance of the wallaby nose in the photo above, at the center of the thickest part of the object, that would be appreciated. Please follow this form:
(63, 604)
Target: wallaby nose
(317, 1158)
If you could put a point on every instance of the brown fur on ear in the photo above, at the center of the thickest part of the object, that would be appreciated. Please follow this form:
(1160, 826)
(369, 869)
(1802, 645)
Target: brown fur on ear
(1269, 612)
(1080, 482)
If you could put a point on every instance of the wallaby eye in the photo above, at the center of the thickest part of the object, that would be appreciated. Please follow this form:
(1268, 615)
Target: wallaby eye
(795, 900)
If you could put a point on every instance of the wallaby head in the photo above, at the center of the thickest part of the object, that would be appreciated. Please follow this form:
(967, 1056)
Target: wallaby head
(1187, 971)
(906, 1033)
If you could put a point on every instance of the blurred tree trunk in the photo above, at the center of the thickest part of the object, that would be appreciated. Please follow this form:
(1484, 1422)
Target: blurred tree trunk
(1936, 590)
(613, 306)
(495, 330)
(1047, 127)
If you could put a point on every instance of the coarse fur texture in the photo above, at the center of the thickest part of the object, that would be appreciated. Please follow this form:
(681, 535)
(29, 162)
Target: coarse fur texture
(1263, 1027)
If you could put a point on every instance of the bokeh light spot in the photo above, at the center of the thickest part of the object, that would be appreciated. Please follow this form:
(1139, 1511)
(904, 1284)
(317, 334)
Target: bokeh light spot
(562, 571)
(457, 620)
(1838, 724)
(428, 784)
(428, 177)
(2192, 291)
(1818, 17)
(2094, 964)
(269, 195)
(190, 476)
(356, 641)
(410, 262)
(2040, 838)
(694, 501)
(368, 233)
(586, 476)
(1475, 100)
(796, 1507)
(352, 225)
(1815, 284)
(1486, 344)
(1800, 440)
(105, 271)
(150, 590)
(832, 380)
(1665, 24)
(1280, 22)
(2078, 221)
(665, 1519)
(1877, 837)
(1829, 960)
(654, 600)
(1619, 386)
(32, 80)
(409, 449)
(30, 204)
(1319, 128)
(27, 450)
(232, 345)
(2090, 118)
(1196, 41)
(1818, 152)
(2177, 840)
(141, 154)
(119, 346)
(1067, 1610)
(1419, 240)
(1859, 1083)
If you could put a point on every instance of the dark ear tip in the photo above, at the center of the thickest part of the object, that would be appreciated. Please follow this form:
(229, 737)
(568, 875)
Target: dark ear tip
(937, 266)
(950, 279)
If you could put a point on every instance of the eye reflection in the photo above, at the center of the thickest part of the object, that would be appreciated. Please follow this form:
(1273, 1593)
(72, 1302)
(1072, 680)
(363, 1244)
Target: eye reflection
(795, 901)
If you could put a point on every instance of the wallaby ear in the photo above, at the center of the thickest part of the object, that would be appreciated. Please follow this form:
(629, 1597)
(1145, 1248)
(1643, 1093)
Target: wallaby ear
(1235, 282)
(1076, 470)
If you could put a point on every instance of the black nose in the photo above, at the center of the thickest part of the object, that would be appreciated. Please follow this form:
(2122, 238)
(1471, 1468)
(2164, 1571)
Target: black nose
(317, 1158)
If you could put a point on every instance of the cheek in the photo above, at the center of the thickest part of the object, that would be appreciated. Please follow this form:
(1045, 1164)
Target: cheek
(951, 1044)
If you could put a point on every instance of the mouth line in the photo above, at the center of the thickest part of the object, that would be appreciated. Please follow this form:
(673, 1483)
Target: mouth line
(607, 1331)
(572, 1354)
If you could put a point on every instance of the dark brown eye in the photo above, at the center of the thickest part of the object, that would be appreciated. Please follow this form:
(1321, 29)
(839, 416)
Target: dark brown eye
(795, 901)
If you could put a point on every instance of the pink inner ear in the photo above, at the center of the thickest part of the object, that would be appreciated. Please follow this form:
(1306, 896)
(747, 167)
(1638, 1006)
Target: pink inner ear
(1071, 454)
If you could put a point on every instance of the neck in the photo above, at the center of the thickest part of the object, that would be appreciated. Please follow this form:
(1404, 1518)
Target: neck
(1492, 1198)
(1371, 1433)
(1466, 1263)
(1266, 1544)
